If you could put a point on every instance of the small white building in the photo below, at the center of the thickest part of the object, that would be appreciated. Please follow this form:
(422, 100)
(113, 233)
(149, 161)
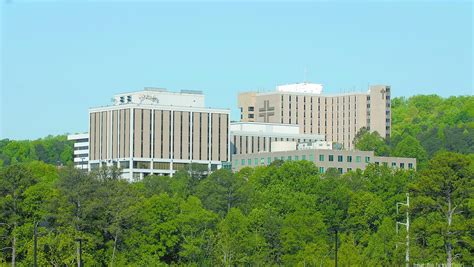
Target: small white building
(81, 150)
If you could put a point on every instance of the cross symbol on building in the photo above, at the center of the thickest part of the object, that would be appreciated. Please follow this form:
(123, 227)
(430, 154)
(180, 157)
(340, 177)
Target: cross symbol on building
(383, 93)
(266, 112)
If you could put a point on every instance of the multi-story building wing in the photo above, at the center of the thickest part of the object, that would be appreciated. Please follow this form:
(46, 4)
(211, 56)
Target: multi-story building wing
(81, 150)
(254, 137)
(158, 132)
(341, 160)
(338, 117)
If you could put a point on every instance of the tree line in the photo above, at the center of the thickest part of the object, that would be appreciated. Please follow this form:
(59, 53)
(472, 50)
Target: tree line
(283, 214)
(423, 125)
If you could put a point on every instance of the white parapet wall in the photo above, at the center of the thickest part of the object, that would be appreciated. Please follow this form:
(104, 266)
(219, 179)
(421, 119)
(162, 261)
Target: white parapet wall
(311, 88)
(283, 146)
(264, 128)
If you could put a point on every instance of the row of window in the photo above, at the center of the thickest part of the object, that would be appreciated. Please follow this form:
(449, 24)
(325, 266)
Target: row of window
(358, 159)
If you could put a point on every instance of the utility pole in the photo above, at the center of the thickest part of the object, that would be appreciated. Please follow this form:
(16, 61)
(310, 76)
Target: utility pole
(79, 253)
(407, 225)
(35, 245)
(335, 241)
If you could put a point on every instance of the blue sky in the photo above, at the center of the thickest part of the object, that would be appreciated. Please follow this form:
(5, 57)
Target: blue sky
(59, 58)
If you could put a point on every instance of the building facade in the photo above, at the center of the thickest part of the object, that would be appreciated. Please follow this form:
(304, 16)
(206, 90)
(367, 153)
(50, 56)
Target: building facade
(81, 150)
(338, 117)
(341, 160)
(253, 137)
(158, 132)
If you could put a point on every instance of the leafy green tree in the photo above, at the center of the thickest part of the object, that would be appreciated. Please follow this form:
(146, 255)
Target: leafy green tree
(154, 231)
(443, 196)
(196, 228)
(349, 252)
(220, 192)
(233, 239)
(371, 141)
(301, 233)
(410, 147)
(365, 214)
(14, 183)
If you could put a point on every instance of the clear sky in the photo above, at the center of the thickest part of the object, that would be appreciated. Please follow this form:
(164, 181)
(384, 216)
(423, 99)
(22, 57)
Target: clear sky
(58, 58)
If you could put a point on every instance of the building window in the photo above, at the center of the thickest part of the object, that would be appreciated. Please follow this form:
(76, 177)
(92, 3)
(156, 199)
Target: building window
(349, 169)
(385, 164)
(377, 163)
(269, 160)
(255, 161)
(262, 161)
(251, 116)
(410, 166)
(311, 157)
(321, 158)
(339, 170)
(349, 158)
(161, 165)
(141, 165)
(331, 157)
(367, 159)
(339, 158)
(394, 164)
(251, 109)
(321, 169)
(402, 165)
(249, 162)
(124, 164)
(303, 157)
(289, 157)
(358, 159)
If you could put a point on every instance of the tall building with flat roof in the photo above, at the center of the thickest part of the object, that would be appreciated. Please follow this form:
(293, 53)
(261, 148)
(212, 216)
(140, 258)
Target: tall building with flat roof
(156, 131)
(337, 116)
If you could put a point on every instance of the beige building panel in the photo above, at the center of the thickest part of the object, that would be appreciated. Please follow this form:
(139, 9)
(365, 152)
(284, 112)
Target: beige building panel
(97, 134)
(166, 133)
(215, 137)
(177, 120)
(196, 135)
(146, 133)
(115, 142)
(204, 136)
(128, 127)
(137, 133)
(120, 134)
(92, 136)
(186, 135)
(103, 138)
(158, 134)
(224, 138)
(108, 144)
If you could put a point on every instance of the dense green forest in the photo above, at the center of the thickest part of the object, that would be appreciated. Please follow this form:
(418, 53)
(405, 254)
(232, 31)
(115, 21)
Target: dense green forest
(284, 214)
